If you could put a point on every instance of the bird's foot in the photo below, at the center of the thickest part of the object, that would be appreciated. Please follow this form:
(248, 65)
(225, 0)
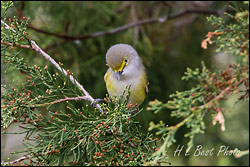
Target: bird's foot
(134, 111)
(96, 101)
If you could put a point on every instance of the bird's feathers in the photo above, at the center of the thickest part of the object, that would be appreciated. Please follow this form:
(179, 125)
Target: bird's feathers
(133, 73)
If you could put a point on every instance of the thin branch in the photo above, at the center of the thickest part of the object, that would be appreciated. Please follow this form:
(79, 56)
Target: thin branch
(221, 94)
(194, 11)
(129, 25)
(17, 45)
(16, 161)
(46, 56)
(86, 98)
(101, 33)
(175, 127)
(65, 99)
(7, 26)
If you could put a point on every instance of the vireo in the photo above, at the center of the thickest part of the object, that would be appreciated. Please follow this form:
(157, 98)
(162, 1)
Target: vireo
(126, 69)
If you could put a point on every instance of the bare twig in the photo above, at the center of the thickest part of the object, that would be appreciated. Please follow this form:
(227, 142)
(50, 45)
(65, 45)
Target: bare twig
(20, 46)
(65, 99)
(46, 56)
(17, 160)
(101, 33)
(129, 25)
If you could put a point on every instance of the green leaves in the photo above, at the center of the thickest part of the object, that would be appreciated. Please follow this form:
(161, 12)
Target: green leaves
(5, 5)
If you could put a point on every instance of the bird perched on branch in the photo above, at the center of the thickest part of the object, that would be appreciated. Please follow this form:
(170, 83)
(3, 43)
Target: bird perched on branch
(126, 69)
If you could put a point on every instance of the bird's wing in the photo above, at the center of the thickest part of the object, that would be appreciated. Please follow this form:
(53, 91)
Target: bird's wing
(146, 82)
(106, 75)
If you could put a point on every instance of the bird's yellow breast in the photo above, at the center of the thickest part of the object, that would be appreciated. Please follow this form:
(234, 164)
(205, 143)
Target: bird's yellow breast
(138, 88)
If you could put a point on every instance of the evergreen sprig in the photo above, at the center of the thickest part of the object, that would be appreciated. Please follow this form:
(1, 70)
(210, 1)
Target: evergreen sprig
(5, 5)
(82, 136)
(213, 85)
(16, 33)
(40, 89)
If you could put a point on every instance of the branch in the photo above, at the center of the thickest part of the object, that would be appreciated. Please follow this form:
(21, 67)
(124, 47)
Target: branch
(60, 101)
(46, 56)
(65, 99)
(224, 91)
(130, 25)
(16, 161)
(20, 46)
(175, 127)
(101, 33)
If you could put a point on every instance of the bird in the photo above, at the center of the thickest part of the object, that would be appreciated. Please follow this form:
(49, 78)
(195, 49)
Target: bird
(126, 69)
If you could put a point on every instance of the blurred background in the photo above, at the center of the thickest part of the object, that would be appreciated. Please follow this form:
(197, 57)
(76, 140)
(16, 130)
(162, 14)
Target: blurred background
(167, 49)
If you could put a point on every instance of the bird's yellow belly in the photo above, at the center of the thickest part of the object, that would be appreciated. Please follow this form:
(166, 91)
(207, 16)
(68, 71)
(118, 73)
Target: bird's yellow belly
(137, 90)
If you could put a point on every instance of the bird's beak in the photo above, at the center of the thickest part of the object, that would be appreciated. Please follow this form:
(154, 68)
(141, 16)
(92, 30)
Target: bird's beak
(118, 74)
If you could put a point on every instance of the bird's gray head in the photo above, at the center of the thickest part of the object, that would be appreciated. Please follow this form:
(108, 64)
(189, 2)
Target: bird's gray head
(121, 58)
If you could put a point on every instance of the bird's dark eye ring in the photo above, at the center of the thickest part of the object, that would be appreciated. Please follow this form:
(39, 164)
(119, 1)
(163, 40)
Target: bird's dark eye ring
(126, 60)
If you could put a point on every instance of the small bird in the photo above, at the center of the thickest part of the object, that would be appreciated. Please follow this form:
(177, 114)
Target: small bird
(126, 69)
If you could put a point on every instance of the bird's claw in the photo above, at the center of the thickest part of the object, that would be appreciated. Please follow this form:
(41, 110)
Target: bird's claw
(96, 101)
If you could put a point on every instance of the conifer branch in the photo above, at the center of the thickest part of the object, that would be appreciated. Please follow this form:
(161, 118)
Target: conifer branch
(63, 100)
(221, 94)
(17, 45)
(17, 160)
(47, 57)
